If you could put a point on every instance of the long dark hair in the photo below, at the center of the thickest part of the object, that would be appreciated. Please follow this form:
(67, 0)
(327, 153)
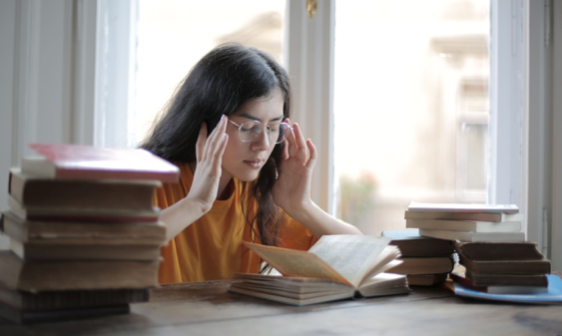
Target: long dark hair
(220, 83)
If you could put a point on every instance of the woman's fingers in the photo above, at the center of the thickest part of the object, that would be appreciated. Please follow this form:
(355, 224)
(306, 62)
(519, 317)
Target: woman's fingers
(215, 139)
(201, 140)
(301, 144)
(219, 151)
(285, 154)
(313, 154)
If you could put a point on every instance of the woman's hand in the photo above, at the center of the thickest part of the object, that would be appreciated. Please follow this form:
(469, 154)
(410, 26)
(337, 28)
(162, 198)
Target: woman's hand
(209, 152)
(292, 188)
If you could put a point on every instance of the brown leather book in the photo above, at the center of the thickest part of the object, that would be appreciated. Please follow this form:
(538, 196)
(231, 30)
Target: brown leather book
(32, 276)
(524, 250)
(478, 279)
(513, 267)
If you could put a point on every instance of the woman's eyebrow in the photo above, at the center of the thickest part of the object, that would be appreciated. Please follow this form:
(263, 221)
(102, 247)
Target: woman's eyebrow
(248, 116)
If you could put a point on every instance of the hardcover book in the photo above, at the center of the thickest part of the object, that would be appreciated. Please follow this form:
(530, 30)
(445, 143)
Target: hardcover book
(464, 225)
(38, 192)
(70, 299)
(55, 275)
(426, 279)
(473, 216)
(49, 251)
(41, 213)
(474, 236)
(63, 161)
(523, 250)
(411, 244)
(479, 279)
(336, 267)
(461, 279)
(461, 207)
(83, 234)
(513, 267)
(22, 316)
(424, 265)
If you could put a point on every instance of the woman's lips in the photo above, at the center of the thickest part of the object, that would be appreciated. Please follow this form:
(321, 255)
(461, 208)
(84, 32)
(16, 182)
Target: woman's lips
(254, 163)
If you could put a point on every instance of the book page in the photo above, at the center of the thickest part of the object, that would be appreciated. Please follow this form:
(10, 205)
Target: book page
(352, 256)
(296, 263)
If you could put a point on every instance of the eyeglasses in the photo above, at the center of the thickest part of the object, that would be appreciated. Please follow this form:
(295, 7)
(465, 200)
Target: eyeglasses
(249, 130)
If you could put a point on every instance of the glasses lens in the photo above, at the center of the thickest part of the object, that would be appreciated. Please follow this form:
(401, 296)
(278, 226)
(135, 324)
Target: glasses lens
(249, 130)
(282, 130)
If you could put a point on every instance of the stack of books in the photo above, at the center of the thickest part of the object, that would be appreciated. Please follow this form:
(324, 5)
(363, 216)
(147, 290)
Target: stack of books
(84, 235)
(502, 268)
(466, 222)
(492, 251)
(425, 261)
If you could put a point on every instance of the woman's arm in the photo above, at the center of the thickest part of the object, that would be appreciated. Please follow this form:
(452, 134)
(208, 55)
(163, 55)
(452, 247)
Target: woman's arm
(292, 189)
(204, 188)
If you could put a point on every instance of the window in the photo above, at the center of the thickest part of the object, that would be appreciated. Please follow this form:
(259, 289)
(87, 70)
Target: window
(173, 35)
(410, 106)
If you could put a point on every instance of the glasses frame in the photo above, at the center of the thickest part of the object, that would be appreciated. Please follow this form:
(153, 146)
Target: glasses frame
(261, 130)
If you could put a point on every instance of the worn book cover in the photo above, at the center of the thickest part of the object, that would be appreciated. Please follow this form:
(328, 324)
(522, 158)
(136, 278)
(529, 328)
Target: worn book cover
(40, 192)
(53, 275)
(514, 267)
(83, 234)
(64, 161)
(523, 250)
(411, 244)
(464, 225)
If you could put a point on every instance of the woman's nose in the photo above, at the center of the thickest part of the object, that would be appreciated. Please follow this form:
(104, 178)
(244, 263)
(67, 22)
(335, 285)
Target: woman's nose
(262, 140)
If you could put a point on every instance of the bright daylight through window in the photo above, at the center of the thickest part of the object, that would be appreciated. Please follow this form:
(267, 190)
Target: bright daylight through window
(411, 106)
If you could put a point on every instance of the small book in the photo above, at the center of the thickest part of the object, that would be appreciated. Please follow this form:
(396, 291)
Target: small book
(21, 316)
(523, 250)
(513, 267)
(474, 236)
(55, 275)
(463, 225)
(83, 234)
(63, 161)
(461, 207)
(473, 216)
(426, 279)
(39, 192)
(71, 299)
(479, 279)
(81, 215)
(461, 279)
(553, 296)
(411, 244)
(424, 265)
(337, 266)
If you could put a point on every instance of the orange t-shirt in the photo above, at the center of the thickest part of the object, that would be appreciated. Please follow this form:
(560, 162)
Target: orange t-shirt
(211, 248)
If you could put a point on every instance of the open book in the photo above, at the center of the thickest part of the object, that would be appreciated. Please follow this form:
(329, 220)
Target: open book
(336, 267)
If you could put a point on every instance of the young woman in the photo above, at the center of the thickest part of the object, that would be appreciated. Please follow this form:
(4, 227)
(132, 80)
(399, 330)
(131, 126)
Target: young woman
(245, 171)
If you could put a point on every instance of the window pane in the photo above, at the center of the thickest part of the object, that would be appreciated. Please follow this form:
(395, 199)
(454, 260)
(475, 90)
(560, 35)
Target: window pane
(411, 106)
(174, 34)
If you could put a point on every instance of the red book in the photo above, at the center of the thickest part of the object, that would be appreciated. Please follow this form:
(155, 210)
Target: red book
(64, 161)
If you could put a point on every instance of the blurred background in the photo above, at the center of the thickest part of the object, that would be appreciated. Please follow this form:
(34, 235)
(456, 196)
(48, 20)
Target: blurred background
(410, 97)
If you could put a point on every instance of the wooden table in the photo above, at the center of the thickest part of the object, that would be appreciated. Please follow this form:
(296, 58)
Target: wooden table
(208, 309)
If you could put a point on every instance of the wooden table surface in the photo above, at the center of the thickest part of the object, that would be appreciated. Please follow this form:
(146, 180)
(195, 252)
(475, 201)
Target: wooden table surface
(208, 309)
